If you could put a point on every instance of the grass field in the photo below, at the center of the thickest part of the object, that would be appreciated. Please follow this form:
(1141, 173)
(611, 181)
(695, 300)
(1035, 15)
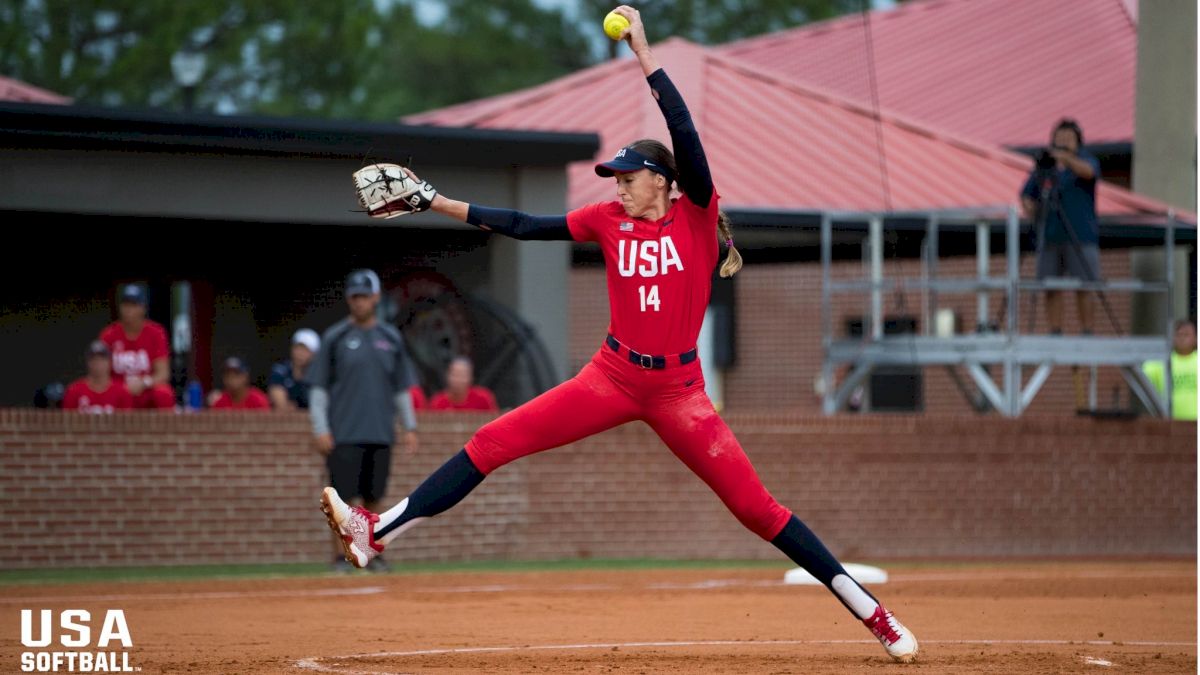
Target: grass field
(189, 572)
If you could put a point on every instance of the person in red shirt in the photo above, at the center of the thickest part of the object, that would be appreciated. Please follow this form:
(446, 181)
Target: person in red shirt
(659, 252)
(237, 393)
(461, 391)
(97, 393)
(418, 397)
(140, 352)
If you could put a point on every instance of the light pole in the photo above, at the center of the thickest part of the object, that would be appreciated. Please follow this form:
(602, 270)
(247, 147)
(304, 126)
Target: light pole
(188, 66)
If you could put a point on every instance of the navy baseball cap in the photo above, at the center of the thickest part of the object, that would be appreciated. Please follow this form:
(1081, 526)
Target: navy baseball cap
(362, 282)
(627, 159)
(235, 364)
(98, 348)
(134, 293)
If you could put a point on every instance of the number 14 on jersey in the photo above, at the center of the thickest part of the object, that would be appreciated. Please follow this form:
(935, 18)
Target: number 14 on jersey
(649, 299)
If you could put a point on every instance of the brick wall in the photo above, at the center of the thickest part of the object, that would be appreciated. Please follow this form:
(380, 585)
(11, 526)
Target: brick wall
(779, 331)
(588, 315)
(167, 489)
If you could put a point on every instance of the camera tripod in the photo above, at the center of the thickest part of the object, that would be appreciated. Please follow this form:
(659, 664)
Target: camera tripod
(1051, 199)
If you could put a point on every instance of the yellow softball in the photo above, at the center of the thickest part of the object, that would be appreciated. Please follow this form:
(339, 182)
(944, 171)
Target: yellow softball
(613, 25)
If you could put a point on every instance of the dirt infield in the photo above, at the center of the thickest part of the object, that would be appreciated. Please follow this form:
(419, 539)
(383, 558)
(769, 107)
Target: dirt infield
(1027, 618)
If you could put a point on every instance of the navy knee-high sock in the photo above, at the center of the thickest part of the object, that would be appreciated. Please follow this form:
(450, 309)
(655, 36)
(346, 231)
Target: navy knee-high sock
(441, 490)
(802, 546)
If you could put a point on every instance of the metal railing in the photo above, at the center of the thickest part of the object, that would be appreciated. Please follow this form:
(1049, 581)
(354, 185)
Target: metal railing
(1001, 344)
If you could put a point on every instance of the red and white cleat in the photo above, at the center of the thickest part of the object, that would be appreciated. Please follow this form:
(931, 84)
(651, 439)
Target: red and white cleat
(354, 525)
(899, 641)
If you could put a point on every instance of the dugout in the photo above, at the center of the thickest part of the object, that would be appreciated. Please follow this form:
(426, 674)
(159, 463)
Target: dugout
(257, 215)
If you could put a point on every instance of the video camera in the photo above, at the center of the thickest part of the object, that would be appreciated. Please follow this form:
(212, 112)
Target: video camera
(1045, 160)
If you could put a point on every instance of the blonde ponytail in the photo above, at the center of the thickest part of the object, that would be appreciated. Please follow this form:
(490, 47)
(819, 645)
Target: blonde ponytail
(733, 260)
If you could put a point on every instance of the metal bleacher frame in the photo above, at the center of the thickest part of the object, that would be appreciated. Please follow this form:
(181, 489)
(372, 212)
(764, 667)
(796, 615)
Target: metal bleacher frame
(1004, 345)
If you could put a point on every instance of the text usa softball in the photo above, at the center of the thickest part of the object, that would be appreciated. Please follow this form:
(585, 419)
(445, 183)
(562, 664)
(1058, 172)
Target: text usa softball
(75, 632)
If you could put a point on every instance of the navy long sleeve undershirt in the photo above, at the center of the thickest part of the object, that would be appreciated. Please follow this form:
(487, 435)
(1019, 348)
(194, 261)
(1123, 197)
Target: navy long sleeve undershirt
(695, 179)
(519, 225)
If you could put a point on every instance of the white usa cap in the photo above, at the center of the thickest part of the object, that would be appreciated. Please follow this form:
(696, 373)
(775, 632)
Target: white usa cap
(309, 338)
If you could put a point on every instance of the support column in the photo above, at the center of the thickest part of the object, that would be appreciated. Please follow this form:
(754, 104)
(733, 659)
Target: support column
(1164, 163)
(983, 254)
(531, 277)
(876, 245)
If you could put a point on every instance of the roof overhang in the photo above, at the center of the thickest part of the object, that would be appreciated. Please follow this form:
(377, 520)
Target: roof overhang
(1100, 150)
(780, 225)
(27, 125)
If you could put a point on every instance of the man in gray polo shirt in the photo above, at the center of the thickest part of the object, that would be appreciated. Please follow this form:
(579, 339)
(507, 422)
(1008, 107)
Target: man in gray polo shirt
(360, 380)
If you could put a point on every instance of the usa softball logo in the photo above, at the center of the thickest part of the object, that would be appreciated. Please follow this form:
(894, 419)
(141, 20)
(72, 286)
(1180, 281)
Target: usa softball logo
(74, 631)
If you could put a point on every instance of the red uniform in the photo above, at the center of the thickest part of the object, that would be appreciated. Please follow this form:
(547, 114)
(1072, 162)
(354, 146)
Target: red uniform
(478, 398)
(134, 358)
(659, 281)
(255, 399)
(80, 396)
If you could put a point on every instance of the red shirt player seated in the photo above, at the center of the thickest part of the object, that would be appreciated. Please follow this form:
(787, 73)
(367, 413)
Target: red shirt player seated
(139, 352)
(97, 393)
(238, 394)
(461, 393)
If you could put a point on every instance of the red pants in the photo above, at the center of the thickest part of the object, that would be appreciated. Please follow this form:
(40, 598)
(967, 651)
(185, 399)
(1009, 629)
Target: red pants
(157, 397)
(611, 391)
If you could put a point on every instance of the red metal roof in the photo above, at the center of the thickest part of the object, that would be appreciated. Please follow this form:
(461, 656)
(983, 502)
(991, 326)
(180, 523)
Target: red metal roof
(772, 142)
(15, 90)
(999, 71)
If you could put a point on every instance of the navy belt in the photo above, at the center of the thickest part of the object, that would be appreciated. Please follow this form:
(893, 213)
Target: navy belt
(649, 361)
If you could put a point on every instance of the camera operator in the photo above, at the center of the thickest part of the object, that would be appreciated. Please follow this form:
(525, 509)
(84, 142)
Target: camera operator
(1064, 184)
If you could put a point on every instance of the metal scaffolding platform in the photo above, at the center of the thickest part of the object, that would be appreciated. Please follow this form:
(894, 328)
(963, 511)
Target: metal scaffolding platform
(994, 346)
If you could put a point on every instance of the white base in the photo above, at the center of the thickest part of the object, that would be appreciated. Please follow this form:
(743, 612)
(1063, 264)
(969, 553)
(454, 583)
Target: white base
(863, 574)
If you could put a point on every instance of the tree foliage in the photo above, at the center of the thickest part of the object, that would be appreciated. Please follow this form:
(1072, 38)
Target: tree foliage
(366, 59)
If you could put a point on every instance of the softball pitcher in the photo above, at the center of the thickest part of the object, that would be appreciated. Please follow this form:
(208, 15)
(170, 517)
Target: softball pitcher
(659, 253)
